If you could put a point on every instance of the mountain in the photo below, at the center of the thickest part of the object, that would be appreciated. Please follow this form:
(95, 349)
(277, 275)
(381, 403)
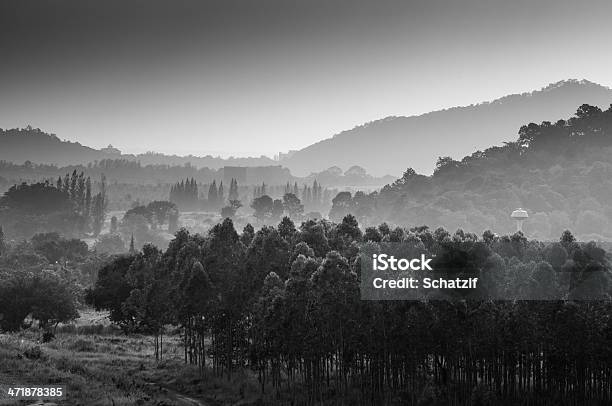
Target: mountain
(559, 172)
(391, 145)
(32, 144)
(382, 147)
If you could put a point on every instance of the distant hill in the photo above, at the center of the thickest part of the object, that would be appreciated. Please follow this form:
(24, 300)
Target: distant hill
(19, 145)
(383, 147)
(32, 144)
(49, 157)
(390, 145)
(559, 171)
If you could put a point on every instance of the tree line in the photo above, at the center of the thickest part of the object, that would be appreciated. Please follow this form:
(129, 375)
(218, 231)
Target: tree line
(92, 208)
(283, 301)
(42, 280)
(69, 206)
(560, 172)
(185, 194)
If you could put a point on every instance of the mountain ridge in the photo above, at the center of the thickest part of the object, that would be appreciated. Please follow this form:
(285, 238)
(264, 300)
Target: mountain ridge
(18, 145)
(402, 141)
(557, 99)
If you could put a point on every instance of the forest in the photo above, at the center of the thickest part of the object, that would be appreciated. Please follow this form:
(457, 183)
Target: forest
(283, 302)
(70, 206)
(559, 172)
(275, 296)
(43, 279)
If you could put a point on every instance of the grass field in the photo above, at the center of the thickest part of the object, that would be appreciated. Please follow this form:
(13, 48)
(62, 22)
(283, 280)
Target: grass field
(101, 366)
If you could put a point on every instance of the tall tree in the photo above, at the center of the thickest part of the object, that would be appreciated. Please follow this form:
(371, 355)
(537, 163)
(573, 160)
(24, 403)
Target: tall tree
(292, 205)
(220, 194)
(263, 207)
(88, 198)
(233, 192)
(98, 211)
(212, 193)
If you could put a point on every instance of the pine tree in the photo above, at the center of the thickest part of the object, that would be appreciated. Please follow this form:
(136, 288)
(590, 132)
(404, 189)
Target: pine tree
(316, 194)
(184, 192)
(98, 210)
(87, 208)
(74, 186)
(220, 197)
(132, 250)
(233, 193)
(194, 191)
(212, 193)
(80, 193)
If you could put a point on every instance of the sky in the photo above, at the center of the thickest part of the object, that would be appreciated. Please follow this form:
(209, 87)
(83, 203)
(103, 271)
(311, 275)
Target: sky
(253, 77)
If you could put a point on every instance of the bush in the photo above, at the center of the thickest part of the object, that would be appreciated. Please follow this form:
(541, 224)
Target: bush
(33, 353)
(45, 295)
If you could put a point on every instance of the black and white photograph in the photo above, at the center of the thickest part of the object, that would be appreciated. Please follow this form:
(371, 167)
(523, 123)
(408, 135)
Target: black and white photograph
(305, 202)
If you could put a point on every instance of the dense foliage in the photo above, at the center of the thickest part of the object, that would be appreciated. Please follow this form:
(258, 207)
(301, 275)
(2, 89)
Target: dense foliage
(284, 302)
(153, 223)
(130, 181)
(68, 207)
(41, 280)
(185, 193)
(560, 173)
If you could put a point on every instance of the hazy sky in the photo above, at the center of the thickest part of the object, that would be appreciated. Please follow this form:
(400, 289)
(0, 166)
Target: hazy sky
(253, 77)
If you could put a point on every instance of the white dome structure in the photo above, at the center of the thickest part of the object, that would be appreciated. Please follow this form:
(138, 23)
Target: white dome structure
(519, 215)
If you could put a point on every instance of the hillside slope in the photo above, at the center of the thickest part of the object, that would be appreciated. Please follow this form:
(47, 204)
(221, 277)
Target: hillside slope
(390, 145)
(32, 144)
(560, 173)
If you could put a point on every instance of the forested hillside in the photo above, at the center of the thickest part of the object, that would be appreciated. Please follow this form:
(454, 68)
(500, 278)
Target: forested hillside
(560, 173)
(390, 145)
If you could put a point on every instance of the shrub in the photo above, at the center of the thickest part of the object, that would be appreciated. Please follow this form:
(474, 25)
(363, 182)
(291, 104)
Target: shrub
(33, 352)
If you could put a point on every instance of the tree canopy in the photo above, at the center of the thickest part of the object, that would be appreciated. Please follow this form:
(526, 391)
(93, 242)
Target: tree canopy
(284, 302)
